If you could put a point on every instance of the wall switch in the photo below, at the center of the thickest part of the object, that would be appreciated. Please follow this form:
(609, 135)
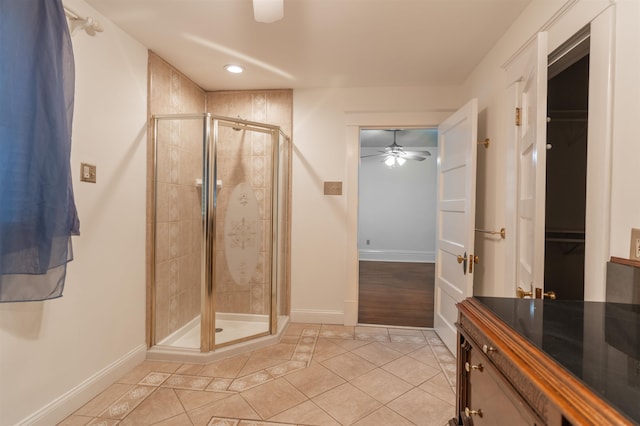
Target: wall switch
(635, 244)
(333, 188)
(87, 172)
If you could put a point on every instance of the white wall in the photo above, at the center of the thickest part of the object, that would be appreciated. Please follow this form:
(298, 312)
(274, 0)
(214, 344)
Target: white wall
(397, 209)
(324, 252)
(489, 84)
(52, 351)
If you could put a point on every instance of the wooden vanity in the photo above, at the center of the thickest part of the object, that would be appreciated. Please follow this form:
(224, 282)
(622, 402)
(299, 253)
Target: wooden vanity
(547, 362)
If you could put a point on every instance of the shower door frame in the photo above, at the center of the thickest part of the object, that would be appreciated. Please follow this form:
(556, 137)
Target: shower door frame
(211, 124)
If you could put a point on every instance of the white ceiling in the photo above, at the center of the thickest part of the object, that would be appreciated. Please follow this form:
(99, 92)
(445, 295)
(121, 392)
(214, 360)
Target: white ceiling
(319, 43)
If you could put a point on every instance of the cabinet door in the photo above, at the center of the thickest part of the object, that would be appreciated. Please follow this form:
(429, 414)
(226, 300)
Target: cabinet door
(491, 399)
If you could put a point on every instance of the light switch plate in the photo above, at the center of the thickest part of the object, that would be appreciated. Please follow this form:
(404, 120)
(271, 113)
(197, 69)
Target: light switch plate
(634, 253)
(87, 173)
(333, 188)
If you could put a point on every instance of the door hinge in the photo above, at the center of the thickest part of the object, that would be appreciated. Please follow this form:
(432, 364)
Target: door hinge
(518, 117)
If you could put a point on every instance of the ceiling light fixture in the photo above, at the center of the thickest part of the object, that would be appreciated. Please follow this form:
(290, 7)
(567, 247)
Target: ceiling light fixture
(235, 69)
(268, 11)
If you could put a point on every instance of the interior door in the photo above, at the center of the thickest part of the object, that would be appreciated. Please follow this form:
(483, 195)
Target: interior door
(530, 76)
(456, 209)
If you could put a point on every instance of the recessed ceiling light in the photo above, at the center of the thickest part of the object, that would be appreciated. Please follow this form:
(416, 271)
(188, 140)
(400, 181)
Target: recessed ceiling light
(235, 69)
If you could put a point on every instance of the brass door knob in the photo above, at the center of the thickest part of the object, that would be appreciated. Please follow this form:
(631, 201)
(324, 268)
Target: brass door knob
(549, 294)
(522, 294)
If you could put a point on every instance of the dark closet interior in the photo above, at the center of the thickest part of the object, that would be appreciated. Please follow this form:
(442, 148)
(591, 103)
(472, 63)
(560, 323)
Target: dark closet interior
(567, 106)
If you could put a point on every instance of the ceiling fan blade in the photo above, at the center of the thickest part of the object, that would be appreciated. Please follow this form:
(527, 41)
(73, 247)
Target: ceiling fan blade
(373, 155)
(424, 153)
(413, 157)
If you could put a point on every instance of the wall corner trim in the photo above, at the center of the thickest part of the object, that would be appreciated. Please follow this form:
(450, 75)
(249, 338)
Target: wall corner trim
(63, 406)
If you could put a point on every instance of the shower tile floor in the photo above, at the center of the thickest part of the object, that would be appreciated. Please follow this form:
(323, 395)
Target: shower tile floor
(317, 375)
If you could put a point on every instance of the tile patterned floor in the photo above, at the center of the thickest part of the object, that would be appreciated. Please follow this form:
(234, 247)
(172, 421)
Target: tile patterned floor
(322, 375)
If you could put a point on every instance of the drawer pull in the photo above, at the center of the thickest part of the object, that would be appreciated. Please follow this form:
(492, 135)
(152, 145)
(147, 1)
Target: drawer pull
(468, 412)
(470, 367)
(486, 349)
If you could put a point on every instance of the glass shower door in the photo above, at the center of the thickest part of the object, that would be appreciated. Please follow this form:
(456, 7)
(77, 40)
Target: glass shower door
(244, 237)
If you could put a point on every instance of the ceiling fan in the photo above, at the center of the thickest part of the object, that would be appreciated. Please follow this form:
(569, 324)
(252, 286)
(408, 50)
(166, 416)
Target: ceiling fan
(396, 154)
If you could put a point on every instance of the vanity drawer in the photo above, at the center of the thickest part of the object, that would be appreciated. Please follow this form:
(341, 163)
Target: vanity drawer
(491, 400)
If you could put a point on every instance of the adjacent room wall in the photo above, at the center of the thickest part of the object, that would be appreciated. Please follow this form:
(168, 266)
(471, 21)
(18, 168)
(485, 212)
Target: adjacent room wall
(56, 354)
(397, 209)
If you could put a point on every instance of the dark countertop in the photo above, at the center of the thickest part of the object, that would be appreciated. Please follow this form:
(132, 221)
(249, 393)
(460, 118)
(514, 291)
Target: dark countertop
(598, 342)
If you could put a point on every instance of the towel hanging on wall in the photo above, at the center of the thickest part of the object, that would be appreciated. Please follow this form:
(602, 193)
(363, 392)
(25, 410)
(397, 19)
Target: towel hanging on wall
(37, 208)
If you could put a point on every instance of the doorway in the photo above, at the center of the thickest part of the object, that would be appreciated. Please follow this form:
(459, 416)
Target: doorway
(566, 168)
(396, 226)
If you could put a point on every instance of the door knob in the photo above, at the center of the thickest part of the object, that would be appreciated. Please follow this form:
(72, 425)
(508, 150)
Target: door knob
(473, 259)
(469, 367)
(549, 294)
(522, 294)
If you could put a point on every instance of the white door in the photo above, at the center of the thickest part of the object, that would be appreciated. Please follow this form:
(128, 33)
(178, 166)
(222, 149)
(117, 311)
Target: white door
(456, 209)
(530, 76)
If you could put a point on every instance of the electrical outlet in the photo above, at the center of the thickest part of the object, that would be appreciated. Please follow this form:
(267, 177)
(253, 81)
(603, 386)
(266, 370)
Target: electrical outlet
(635, 244)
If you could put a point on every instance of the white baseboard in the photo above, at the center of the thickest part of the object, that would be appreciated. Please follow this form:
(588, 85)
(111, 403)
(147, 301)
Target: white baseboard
(63, 406)
(317, 317)
(398, 256)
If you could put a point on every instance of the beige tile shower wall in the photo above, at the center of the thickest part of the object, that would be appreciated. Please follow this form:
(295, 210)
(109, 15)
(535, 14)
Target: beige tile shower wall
(177, 211)
(246, 157)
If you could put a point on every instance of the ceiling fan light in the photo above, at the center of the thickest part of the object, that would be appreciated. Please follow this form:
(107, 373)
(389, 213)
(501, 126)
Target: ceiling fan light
(390, 161)
(268, 11)
(401, 161)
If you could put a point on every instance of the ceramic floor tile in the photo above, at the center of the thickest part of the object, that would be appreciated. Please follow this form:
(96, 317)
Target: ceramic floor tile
(216, 421)
(179, 420)
(228, 368)
(234, 407)
(250, 381)
(348, 366)
(161, 405)
(383, 416)
(190, 369)
(336, 332)
(219, 384)
(75, 421)
(146, 367)
(372, 335)
(411, 370)
(400, 338)
(348, 344)
(406, 332)
(439, 386)
(377, 353)
(254, 423)
(194, 399)
(314, 380)
(181, 381)
(103, 422)
(154, 379)
(372, 330)
(381, 385)
(307, 413)
(282, 351)
(426, 356)
(273, 397)
(325, 349)
(101, 402)
(406, 348)
(286, 368)
(346, 403)
(422, 408)
(126, 404)
(258, 364)
(443, 354)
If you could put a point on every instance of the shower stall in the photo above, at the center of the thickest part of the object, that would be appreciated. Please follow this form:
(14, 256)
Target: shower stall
(219, 231)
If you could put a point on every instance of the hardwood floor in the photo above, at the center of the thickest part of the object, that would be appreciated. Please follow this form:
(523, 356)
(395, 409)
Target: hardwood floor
(396, 293)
